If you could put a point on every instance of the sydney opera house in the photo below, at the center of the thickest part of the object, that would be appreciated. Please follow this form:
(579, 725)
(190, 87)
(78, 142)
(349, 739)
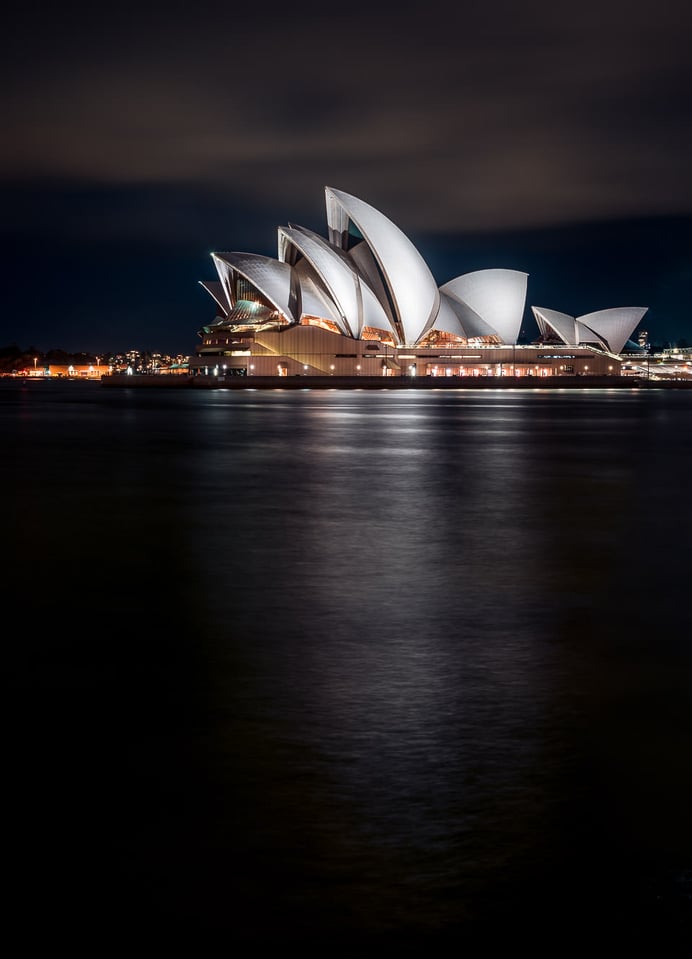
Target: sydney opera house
(363, 302)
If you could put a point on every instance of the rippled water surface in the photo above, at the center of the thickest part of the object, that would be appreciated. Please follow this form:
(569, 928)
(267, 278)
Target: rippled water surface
(349, 672)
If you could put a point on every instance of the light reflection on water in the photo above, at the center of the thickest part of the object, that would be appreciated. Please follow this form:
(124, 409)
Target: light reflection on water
(379, 668)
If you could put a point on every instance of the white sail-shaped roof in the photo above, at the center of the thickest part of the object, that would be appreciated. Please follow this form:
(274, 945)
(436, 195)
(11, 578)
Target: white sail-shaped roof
(565, 326)
(447, 319)
(357, 304)
(314, 299)
(609, 328)
(586, 335)
(614, 327)
(271, 277)
(411, 288)
(225, 274)
(336, 275)
(471, 323)
(497, 296)
(217, 291)
(377, 309)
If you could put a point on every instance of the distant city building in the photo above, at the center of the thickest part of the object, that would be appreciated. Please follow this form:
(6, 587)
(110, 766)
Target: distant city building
(364, 302)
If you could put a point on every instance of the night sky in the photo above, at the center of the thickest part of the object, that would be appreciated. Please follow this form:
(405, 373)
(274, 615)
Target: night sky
(139, 139)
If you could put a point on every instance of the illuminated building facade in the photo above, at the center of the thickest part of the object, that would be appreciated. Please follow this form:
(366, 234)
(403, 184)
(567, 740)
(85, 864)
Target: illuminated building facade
(363, 302)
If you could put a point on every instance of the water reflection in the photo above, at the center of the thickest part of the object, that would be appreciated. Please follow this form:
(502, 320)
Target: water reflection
(392, 666)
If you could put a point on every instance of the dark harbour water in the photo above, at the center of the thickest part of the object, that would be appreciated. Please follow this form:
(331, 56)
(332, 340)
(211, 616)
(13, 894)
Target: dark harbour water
(348, 673)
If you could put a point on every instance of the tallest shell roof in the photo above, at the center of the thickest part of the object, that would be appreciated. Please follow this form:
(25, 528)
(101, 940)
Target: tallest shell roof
(410, 285)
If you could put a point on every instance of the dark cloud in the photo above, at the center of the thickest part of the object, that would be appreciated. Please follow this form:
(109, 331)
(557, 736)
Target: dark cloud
(450, 119)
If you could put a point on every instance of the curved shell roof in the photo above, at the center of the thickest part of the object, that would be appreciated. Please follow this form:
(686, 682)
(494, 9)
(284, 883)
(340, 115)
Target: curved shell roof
(217, 290)
(614, 326)
(377, 310)
(271, 277)
(471, 324)
(334, 273)
(314, 299)
(410, 284)
(561, 323)
(448, 318)
(350, 294)
(497, 296)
